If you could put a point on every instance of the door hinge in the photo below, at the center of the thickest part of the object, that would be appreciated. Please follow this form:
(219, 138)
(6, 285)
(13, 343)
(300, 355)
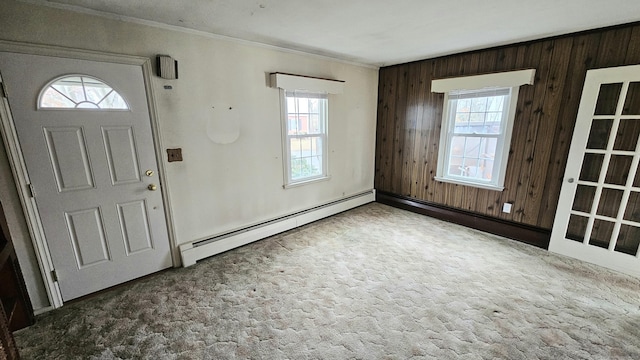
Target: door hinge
(54, 275)
(3, 90)
(32, 192)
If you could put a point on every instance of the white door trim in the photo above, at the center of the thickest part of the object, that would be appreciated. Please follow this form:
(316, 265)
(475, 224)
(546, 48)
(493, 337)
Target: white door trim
(18, 166)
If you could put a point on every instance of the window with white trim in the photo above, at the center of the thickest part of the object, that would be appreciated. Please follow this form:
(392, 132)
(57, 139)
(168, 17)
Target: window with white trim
(305, 121)
(306, 118)
(477, 122)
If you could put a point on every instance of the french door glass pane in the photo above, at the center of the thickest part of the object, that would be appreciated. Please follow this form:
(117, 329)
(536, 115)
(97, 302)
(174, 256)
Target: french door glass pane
(618, 170)
(577, 227)
(628, 240)
(599, 134)
(632, 102)
(627, 136)
(608, 99)
(632, 212)
(583, 201)
(610, 202)
(601, 233)
(591, 166)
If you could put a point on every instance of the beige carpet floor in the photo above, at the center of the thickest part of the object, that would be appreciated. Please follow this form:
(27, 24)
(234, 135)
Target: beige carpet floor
(372, 283)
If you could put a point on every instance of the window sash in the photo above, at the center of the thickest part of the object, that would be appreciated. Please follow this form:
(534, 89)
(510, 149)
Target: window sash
(499, 160)
(321, 134)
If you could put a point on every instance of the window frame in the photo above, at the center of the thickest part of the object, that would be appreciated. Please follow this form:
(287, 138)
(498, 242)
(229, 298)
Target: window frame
(49, 85)
(478, 84)
(503, 141)
(324, 135)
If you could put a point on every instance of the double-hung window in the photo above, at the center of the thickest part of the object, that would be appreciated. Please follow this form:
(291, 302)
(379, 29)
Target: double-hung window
(306, 119)
(305, 124)
(477, 121)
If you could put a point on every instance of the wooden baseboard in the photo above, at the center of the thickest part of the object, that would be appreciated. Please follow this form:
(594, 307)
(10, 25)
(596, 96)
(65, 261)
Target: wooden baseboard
(524, 233)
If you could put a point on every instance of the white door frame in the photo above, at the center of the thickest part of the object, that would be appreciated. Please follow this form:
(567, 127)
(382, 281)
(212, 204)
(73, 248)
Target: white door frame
(19, 170)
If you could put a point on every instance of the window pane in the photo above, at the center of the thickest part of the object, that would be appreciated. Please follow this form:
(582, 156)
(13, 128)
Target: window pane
(628, 240)
(485, 116)
(583, 200)
(601, 233)
(472, 147)
(479, 104)
(472, 157)
(488, 150)
(495, 103)
(113, 101)
(303, 105)
(632, 102)
(618, 171)
(599, 134)
(457, 145)
(609, 202)
(577, 228)
(455, 166)
(463, 105)
(295, 148)
(291, 104)
(632, 212)
(476, 121)
(51, 98)
(306, 115)
(591, 166)
(81, 92)
(71, 87)
(608, 99)
(627, 136)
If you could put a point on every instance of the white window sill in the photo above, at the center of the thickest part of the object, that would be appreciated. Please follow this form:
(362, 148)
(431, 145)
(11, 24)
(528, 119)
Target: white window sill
(305, 182)
(486, 186)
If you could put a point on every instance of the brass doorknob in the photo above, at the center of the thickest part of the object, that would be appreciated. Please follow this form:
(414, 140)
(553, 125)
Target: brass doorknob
(152, 187)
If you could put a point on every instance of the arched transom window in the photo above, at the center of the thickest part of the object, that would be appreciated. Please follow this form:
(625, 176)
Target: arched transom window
(80, 92)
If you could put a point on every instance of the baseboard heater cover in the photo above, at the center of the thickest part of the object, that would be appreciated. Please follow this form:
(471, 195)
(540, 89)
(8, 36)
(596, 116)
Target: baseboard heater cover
(198, 250)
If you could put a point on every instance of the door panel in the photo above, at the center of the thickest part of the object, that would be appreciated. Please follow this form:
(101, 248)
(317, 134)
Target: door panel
(135, 226)
(69, 160)
(87, 167)
(120, 147)
(597, 218)
(86, 229)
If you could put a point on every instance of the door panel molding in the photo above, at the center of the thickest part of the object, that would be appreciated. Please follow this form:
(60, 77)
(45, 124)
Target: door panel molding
(18, 165)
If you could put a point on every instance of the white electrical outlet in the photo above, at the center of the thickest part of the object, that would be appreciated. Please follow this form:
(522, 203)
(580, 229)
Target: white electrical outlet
(506, 208)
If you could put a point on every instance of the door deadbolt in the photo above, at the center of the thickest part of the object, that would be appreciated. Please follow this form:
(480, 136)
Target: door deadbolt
(152, 187)
(570, 180)
(149, 173)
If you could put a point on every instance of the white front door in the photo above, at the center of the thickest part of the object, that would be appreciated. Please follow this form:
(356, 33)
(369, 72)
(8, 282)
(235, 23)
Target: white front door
(85, 134)
(598, 216)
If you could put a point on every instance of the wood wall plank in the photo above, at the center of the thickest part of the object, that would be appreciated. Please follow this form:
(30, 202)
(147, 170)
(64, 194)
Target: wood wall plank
(385, 130)
(410, 117)
(400, 125)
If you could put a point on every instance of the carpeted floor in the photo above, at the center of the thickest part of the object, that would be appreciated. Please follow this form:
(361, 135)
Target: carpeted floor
(372, 283)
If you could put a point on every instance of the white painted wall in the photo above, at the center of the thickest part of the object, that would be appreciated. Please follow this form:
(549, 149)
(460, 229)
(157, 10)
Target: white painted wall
(218, 187)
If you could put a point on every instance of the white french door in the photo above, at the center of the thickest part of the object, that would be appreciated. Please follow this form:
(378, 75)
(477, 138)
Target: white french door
(598, 216)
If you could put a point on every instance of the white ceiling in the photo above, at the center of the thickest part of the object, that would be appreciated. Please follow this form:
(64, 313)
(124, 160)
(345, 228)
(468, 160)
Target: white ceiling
(373, 32)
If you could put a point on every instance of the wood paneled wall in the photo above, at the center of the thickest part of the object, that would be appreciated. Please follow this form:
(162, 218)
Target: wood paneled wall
(410, 115)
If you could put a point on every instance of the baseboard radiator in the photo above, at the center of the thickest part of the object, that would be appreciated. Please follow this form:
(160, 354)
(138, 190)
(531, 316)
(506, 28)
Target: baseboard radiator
(198, 250)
